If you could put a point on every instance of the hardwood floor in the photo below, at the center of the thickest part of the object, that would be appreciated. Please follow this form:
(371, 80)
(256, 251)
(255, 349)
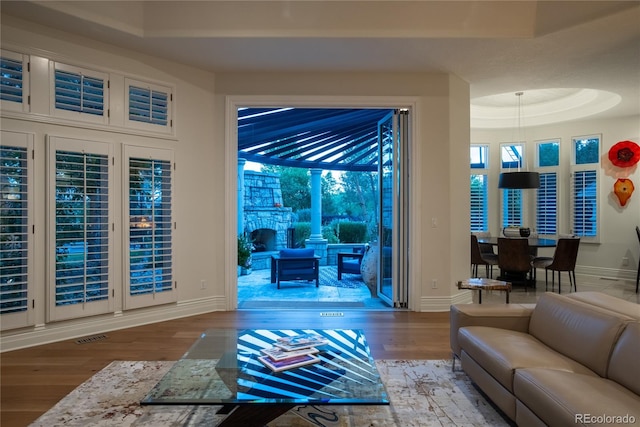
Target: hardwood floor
(35, 379)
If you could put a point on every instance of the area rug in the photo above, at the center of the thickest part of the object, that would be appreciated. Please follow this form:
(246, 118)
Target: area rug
(329, 277)
(422, 393)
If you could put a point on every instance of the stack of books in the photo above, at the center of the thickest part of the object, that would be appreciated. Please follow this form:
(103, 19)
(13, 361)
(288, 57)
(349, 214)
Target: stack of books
(292, 352)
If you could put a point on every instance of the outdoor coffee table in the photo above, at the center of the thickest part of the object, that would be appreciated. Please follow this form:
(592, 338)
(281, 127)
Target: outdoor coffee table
(222, 368)
(480, 284)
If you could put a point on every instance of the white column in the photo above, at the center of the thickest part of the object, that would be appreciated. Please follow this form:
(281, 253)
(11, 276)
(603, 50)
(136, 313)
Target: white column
(316, 205)
(241, 163)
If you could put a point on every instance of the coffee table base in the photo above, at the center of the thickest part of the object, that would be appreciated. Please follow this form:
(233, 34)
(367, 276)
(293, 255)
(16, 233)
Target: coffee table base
(254, 415)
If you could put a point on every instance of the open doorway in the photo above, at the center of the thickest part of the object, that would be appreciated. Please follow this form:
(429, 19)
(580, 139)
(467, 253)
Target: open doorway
(353, 164)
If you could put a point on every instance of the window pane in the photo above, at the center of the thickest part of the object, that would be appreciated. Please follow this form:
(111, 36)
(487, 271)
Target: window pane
(511, 207)
(148, 106)
(77, 92)
(548, 154)
(15, 230)
(479, 203)
(82, 231)
(587, 150)
(479, 156)
(546, 206)
(511, 156)
(151, 267)
(585, 207)
(11, 83)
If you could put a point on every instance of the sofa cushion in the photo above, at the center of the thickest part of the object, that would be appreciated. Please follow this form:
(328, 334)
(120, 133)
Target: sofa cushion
(500, 352)
(624, 367)
(580, 331)
(609, 302)
(296, 253)
(562, 398)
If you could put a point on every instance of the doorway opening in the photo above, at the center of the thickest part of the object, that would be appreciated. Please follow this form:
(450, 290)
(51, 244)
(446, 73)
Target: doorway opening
(331, 179)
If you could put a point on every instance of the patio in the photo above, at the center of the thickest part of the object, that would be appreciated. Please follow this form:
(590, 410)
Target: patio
(256, 292)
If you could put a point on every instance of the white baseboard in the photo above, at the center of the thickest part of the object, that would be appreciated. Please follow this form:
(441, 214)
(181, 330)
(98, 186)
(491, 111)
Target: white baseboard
(59, 331)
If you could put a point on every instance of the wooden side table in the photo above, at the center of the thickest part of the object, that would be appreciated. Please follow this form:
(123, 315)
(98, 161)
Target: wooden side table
(480, 284)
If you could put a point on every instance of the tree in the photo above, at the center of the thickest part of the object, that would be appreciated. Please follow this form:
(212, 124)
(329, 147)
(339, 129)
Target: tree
(360, 196)
(295, 185)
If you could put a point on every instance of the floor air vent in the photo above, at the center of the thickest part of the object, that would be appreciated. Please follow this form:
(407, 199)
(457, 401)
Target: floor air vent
(331, 314)
(88, 340)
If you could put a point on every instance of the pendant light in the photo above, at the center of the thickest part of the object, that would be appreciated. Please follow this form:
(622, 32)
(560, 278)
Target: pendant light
(519, 179)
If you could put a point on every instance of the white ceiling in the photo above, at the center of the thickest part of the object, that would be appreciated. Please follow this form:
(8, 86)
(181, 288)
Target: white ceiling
(570, 58)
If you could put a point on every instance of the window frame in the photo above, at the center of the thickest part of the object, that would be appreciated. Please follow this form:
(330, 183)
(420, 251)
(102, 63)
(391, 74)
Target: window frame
(152, 87)
(154, 298)
(22, 106)
(24, 317)
(90, 308)
(575, 169)
(545, 171)
(480, 170)
(79, 115)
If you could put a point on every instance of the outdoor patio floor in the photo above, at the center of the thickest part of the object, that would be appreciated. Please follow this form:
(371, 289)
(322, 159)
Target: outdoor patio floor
(256, 292)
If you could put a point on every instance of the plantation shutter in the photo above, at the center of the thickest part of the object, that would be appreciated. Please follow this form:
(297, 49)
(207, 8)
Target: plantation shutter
(479, 203)
(584, 203)
(511, 207)
(80, 94)
(148, 106)
(16, 245)
(14, 81)
(547, 204)
(150, 230)
(81, 236)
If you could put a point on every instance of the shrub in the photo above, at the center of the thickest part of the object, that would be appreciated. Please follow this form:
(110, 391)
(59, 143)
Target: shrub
(244, 251)
(329, 233)
(302, 233)
(352, 232)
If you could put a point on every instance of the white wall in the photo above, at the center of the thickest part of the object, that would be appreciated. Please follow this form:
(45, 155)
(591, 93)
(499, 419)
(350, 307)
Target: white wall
(617, 224)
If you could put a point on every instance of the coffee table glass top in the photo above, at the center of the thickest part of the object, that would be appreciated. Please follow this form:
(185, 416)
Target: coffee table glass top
(223, 367)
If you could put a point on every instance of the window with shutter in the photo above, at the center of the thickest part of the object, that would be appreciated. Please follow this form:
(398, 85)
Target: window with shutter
(80, 94)
(584, 187)
(80, 237)
(479, 163)
(150, 230)
(547, 162)
(148, 106)
(511, 207)
(14, 83)
(16, 246)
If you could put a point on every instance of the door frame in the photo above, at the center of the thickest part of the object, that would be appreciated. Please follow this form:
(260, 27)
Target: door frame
(233, 102)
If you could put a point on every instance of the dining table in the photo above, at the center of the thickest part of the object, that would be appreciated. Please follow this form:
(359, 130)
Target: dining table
(534, 242)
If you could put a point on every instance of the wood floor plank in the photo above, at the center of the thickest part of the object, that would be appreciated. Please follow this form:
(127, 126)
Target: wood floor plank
(35, 379)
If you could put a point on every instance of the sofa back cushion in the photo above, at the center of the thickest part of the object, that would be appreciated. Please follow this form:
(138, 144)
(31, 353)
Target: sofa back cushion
(624, 368)
(581, 331)
(608, 302)
(296, 253)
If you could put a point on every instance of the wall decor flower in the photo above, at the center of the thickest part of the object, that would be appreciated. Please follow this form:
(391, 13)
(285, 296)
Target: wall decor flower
(623, 188)
(624, 154)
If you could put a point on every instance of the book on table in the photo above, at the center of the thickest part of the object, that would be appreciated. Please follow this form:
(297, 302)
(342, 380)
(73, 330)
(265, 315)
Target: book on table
(289, 363)
(301, 341)
(277, 353)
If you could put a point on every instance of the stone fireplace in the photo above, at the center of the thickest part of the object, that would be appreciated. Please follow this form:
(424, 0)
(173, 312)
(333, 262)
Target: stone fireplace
(266, 221)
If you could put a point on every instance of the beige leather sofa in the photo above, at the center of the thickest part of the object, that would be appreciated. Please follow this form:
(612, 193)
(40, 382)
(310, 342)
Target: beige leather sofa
(569, 360)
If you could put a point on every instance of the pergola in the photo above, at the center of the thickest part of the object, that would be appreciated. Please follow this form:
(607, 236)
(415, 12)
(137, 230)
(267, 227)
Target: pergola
(314, 138)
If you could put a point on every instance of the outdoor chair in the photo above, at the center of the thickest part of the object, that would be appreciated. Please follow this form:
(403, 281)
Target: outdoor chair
(297, 264)
(350, 262)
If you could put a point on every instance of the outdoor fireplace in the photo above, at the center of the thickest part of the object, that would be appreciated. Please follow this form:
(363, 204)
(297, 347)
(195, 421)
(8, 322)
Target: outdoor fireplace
(264, 239)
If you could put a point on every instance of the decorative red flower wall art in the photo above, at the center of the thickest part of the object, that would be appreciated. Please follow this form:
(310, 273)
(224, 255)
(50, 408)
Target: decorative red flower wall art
(623, 188)
(624, 154)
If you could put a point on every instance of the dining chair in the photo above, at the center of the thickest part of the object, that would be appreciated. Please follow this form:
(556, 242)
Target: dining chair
(514, 260)
(638, 276)
(478, 257)
(564, 259)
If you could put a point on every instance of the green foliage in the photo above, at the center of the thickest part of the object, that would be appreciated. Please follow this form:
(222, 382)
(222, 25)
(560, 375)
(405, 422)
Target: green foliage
(304, 215)
(303, 232)
(244, 251)
(360, 195)
(351, 232)
(295, 184)
(329, 233)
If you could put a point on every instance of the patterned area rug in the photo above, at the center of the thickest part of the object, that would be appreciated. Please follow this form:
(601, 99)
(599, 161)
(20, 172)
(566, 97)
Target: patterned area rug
(422, 393)
(329, 277)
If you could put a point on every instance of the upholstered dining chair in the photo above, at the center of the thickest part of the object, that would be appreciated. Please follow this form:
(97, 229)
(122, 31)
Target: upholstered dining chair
(479, 258)
(514, 260)
(564, 259)
(638, 276)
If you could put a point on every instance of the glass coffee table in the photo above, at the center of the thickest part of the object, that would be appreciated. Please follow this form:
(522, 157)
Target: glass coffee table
(223, 368)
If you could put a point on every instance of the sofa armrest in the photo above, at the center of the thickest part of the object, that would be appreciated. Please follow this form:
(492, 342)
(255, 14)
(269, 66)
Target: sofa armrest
(514, 317)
